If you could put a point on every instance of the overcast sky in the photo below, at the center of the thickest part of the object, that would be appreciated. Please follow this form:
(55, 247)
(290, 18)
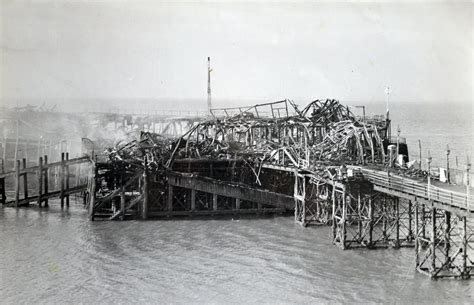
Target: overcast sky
(111, 49)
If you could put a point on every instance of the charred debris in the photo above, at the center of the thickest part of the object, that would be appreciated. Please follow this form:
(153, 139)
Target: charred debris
(246, 147)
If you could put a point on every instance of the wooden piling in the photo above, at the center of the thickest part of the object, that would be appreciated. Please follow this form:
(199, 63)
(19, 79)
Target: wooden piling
(61, 177)
(3, 193)
(122, 200)
(17, 183)
(170, 199)
(16, 144)
(145, 192)
(214, 202)
(40, 180)
(66, 177)
(92, 191)
(46, 181)
(193, 200)
(25, 180)
(433, 240)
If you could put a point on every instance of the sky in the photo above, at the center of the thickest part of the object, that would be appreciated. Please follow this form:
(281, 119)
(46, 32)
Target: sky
(302, 50)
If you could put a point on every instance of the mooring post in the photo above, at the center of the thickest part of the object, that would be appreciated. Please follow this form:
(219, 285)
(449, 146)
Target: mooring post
(61, 177)
(46, 180)
(17, 182)
(237, 204)
(66, 176)
(145, 191)
(25, 181)
(40, 180)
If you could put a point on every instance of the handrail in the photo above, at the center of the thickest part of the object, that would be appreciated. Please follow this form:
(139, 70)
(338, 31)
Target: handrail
(416, 188)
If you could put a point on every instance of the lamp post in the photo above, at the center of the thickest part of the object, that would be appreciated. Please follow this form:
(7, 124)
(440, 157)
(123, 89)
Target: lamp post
(468, 168)
(398, 140)
(448, 178)
(429, 174)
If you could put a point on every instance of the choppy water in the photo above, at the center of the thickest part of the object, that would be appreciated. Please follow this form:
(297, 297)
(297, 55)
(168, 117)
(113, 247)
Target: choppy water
(59, 256)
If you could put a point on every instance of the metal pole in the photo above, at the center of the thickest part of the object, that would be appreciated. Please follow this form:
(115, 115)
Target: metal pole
(447, 164)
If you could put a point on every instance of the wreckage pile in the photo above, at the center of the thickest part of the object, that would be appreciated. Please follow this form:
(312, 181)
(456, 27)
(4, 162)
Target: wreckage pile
(324, 132)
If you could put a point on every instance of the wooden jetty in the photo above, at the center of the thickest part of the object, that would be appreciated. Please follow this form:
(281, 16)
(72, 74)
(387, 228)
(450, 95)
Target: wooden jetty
(33, 184)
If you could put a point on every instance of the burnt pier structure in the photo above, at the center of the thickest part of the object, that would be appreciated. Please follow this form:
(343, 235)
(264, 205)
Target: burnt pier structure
(321, 162)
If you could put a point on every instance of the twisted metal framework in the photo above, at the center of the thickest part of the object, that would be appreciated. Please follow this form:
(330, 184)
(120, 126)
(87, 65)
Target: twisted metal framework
(444, 243)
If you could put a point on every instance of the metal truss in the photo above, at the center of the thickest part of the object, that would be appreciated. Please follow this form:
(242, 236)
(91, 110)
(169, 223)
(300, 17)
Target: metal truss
(444, 243)
(312, 200)
(370, 219)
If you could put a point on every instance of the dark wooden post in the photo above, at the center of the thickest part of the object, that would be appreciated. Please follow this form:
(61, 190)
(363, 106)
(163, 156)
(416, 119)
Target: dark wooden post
(145, 191)
(447, 235)
(122, 200)
(25, 181)
(170, 199)
(2, 185)
(40, 180)
(17, 183)
(66, 176)
(410, 221)
(92, 192)
(61, 177)
(46, 180)
(214, 202)
(193, 200)
(433, 240)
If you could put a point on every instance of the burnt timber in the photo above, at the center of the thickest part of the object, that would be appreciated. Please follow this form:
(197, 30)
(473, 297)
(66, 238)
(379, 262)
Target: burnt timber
(323, 163)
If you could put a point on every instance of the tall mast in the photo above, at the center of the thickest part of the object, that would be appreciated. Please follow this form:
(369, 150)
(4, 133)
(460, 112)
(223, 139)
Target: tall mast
(209, 103)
